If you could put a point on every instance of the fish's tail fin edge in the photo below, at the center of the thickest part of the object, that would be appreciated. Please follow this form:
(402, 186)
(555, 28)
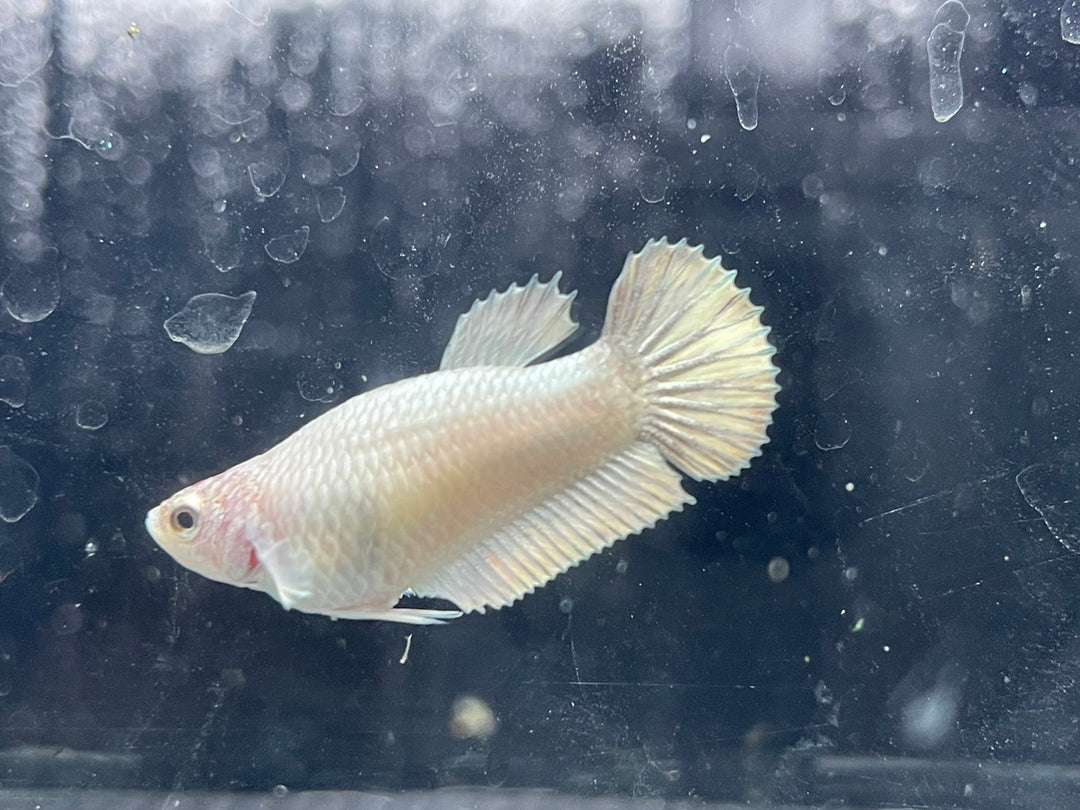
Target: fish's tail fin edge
(699, 355)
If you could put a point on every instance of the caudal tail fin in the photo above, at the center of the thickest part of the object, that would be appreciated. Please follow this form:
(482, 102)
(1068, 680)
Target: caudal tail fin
(702, 356)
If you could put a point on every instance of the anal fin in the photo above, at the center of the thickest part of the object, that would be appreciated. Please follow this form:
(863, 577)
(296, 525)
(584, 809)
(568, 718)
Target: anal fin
(630, 493)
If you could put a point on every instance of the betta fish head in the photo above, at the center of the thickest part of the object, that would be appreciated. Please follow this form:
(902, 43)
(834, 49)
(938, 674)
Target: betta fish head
(208, 528)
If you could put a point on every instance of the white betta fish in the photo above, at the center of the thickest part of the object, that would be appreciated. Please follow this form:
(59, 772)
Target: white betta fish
(482, 481)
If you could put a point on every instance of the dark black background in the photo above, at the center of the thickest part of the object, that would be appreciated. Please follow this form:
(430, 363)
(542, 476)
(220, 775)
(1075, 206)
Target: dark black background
(919, 278)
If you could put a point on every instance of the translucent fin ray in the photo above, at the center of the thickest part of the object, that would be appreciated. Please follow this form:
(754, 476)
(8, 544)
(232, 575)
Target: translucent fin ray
(630, 493)
(513, 327)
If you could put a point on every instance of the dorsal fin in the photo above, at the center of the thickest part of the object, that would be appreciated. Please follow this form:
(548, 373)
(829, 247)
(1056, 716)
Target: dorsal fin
(513, 327)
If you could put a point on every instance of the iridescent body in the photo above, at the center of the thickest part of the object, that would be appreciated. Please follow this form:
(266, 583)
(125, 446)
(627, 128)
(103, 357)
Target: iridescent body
(482, 481)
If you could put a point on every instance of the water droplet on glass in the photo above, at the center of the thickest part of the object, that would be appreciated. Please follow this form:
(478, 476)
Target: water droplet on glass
(743, 75)
(834, 86)
(290, 247)
(91, 415)
(210, 323)
(413, 256)
(943, 48)
(266, 178)
(1070, 21)
(330, 202)
(747, 180)
(832, 432)
(653, 179)
(14, 381)
(30, 293)
(318, 386)
(18, 486)
(224, 254)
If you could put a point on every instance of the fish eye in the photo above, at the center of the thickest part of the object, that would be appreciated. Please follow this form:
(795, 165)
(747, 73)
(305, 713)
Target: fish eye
(184, 519)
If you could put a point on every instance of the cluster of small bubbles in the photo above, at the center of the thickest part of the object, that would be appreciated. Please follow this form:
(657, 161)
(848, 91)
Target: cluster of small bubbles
(91, 415)
(210, 323)
(14, 380)
(18, 486)
(289, 247)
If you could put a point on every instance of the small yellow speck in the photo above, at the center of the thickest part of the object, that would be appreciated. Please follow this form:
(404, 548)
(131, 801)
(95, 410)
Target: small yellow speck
(133, 31)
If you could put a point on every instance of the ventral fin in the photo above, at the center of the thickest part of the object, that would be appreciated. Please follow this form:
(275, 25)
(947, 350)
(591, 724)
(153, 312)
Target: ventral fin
(627, 495)
(400, 615)
(513, 327)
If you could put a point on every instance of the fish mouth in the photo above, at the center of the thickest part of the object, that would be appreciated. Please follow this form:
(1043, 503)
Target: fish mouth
(152, 525)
